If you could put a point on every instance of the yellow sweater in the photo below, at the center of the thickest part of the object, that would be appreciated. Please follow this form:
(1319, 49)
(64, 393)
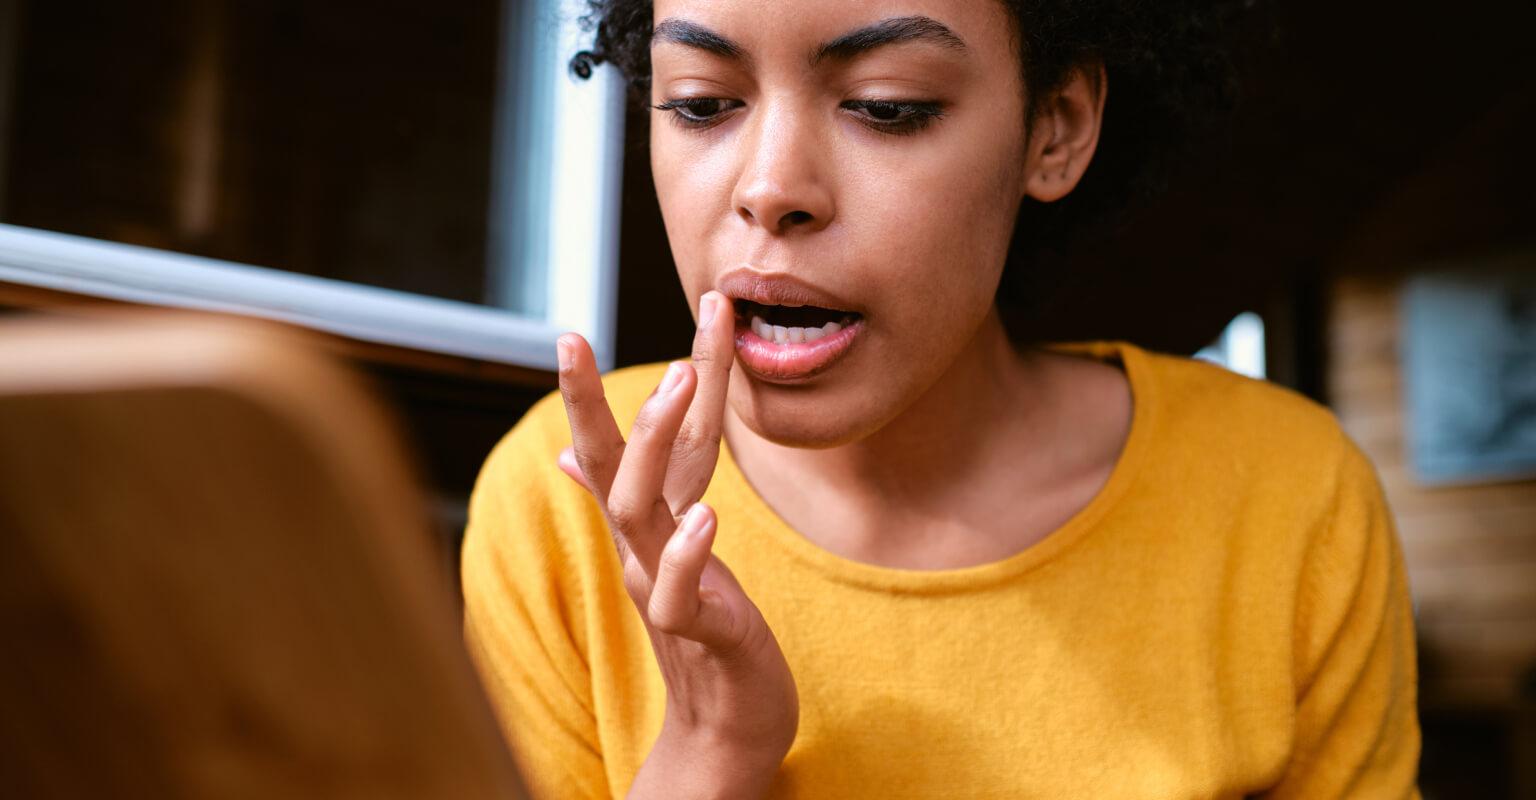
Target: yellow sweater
(1229, 616)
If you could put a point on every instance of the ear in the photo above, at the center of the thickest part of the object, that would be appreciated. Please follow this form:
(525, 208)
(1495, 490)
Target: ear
(1064, 133)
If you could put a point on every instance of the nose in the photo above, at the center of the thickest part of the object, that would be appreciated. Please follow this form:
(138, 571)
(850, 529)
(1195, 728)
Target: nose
(782, 185)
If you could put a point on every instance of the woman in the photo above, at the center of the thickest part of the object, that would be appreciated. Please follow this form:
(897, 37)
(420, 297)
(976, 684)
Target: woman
(959, 566)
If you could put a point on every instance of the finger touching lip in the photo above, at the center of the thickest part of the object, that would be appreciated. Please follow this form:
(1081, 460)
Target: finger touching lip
(789, 329)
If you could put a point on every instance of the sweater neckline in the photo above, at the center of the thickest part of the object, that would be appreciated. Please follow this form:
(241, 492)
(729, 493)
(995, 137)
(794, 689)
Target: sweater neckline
(760, 517)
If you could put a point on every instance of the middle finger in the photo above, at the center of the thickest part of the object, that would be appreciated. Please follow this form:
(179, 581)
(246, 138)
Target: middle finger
(636, 506)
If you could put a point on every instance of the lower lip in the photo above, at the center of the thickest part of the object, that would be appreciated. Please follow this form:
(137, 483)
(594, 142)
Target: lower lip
(791, 362)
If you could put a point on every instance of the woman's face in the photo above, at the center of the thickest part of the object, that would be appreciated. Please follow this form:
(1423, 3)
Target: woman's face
(859, 197)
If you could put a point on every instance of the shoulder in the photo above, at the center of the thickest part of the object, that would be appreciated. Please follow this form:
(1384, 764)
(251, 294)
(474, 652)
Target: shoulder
(1209, 409)
(1281, 457)
(1278, 473)
(1252, 449)
(1257, 412)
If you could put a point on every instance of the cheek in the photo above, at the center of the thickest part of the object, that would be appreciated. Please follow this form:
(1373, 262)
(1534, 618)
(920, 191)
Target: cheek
(688, 191)
(938, 225)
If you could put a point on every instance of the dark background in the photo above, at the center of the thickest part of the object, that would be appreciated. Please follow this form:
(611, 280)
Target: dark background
(1370, 135)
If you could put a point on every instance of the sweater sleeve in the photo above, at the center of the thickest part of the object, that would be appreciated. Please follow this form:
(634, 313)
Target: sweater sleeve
(1356, 722)
(520, 618)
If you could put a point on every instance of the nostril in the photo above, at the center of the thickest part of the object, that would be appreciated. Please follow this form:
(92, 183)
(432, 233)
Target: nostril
(796, 217)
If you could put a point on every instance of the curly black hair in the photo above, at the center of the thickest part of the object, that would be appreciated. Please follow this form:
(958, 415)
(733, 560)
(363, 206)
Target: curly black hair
(1170, 71)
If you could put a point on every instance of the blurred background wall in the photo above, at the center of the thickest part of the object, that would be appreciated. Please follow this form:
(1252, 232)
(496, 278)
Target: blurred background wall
(1374, 144)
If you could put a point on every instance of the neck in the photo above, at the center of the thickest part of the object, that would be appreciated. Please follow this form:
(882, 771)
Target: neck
(929, 453)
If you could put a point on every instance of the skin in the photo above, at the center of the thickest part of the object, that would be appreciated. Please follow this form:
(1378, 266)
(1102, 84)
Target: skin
(933, 443)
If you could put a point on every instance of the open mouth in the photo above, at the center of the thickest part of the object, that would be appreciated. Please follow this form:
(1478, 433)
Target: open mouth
(791, 344)
(785, 325)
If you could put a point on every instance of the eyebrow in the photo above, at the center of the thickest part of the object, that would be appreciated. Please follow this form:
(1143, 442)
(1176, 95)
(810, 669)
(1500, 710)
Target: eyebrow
(843, 48)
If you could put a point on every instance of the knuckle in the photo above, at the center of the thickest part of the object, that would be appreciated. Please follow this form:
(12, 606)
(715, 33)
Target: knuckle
(696, 439)
(589, 463)
(673, 562)
(581, 397)
(663, 615)
(575, 400)
(648, 422)
(734, 653)
(630, 516)
(622, 514)
(687, 436)
(703, 355)
(592, 462)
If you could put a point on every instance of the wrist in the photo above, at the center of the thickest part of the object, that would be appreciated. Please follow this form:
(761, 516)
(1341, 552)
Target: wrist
(754, 750)
(693, 762)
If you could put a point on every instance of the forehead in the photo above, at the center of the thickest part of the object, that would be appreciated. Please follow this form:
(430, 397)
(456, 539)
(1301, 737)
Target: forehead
(826, 32)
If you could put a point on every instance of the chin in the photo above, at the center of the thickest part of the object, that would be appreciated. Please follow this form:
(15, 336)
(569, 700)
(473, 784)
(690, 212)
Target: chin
(803, 416)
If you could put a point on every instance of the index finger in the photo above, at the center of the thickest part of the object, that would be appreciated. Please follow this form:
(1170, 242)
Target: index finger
(595, 436)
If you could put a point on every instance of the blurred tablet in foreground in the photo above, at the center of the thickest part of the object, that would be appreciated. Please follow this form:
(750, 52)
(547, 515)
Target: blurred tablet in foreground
(216, 577)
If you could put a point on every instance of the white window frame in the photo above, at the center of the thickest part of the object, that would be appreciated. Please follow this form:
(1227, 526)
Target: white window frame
(559, 237)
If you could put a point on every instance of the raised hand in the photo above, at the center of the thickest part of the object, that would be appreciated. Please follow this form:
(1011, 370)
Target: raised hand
(732, 707)
(696, 449)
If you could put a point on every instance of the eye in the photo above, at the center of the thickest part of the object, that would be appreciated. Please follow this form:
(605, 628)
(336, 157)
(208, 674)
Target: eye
(899, 117)
(695, 112)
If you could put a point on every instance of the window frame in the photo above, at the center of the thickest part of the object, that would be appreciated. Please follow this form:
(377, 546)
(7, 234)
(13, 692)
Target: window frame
(552, 244)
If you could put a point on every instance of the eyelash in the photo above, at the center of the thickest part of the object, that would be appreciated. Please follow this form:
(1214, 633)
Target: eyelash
(920, 113)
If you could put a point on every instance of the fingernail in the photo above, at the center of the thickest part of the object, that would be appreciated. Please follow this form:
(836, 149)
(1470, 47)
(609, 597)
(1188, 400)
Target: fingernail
(693, 521)
(563, 354)
(706, 310)
(669, 381)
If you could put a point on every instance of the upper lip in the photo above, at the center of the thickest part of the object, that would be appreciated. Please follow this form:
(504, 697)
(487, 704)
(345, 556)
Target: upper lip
(778, 289)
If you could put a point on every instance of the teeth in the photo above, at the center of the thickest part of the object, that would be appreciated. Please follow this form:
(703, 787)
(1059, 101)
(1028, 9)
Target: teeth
(779, 334)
